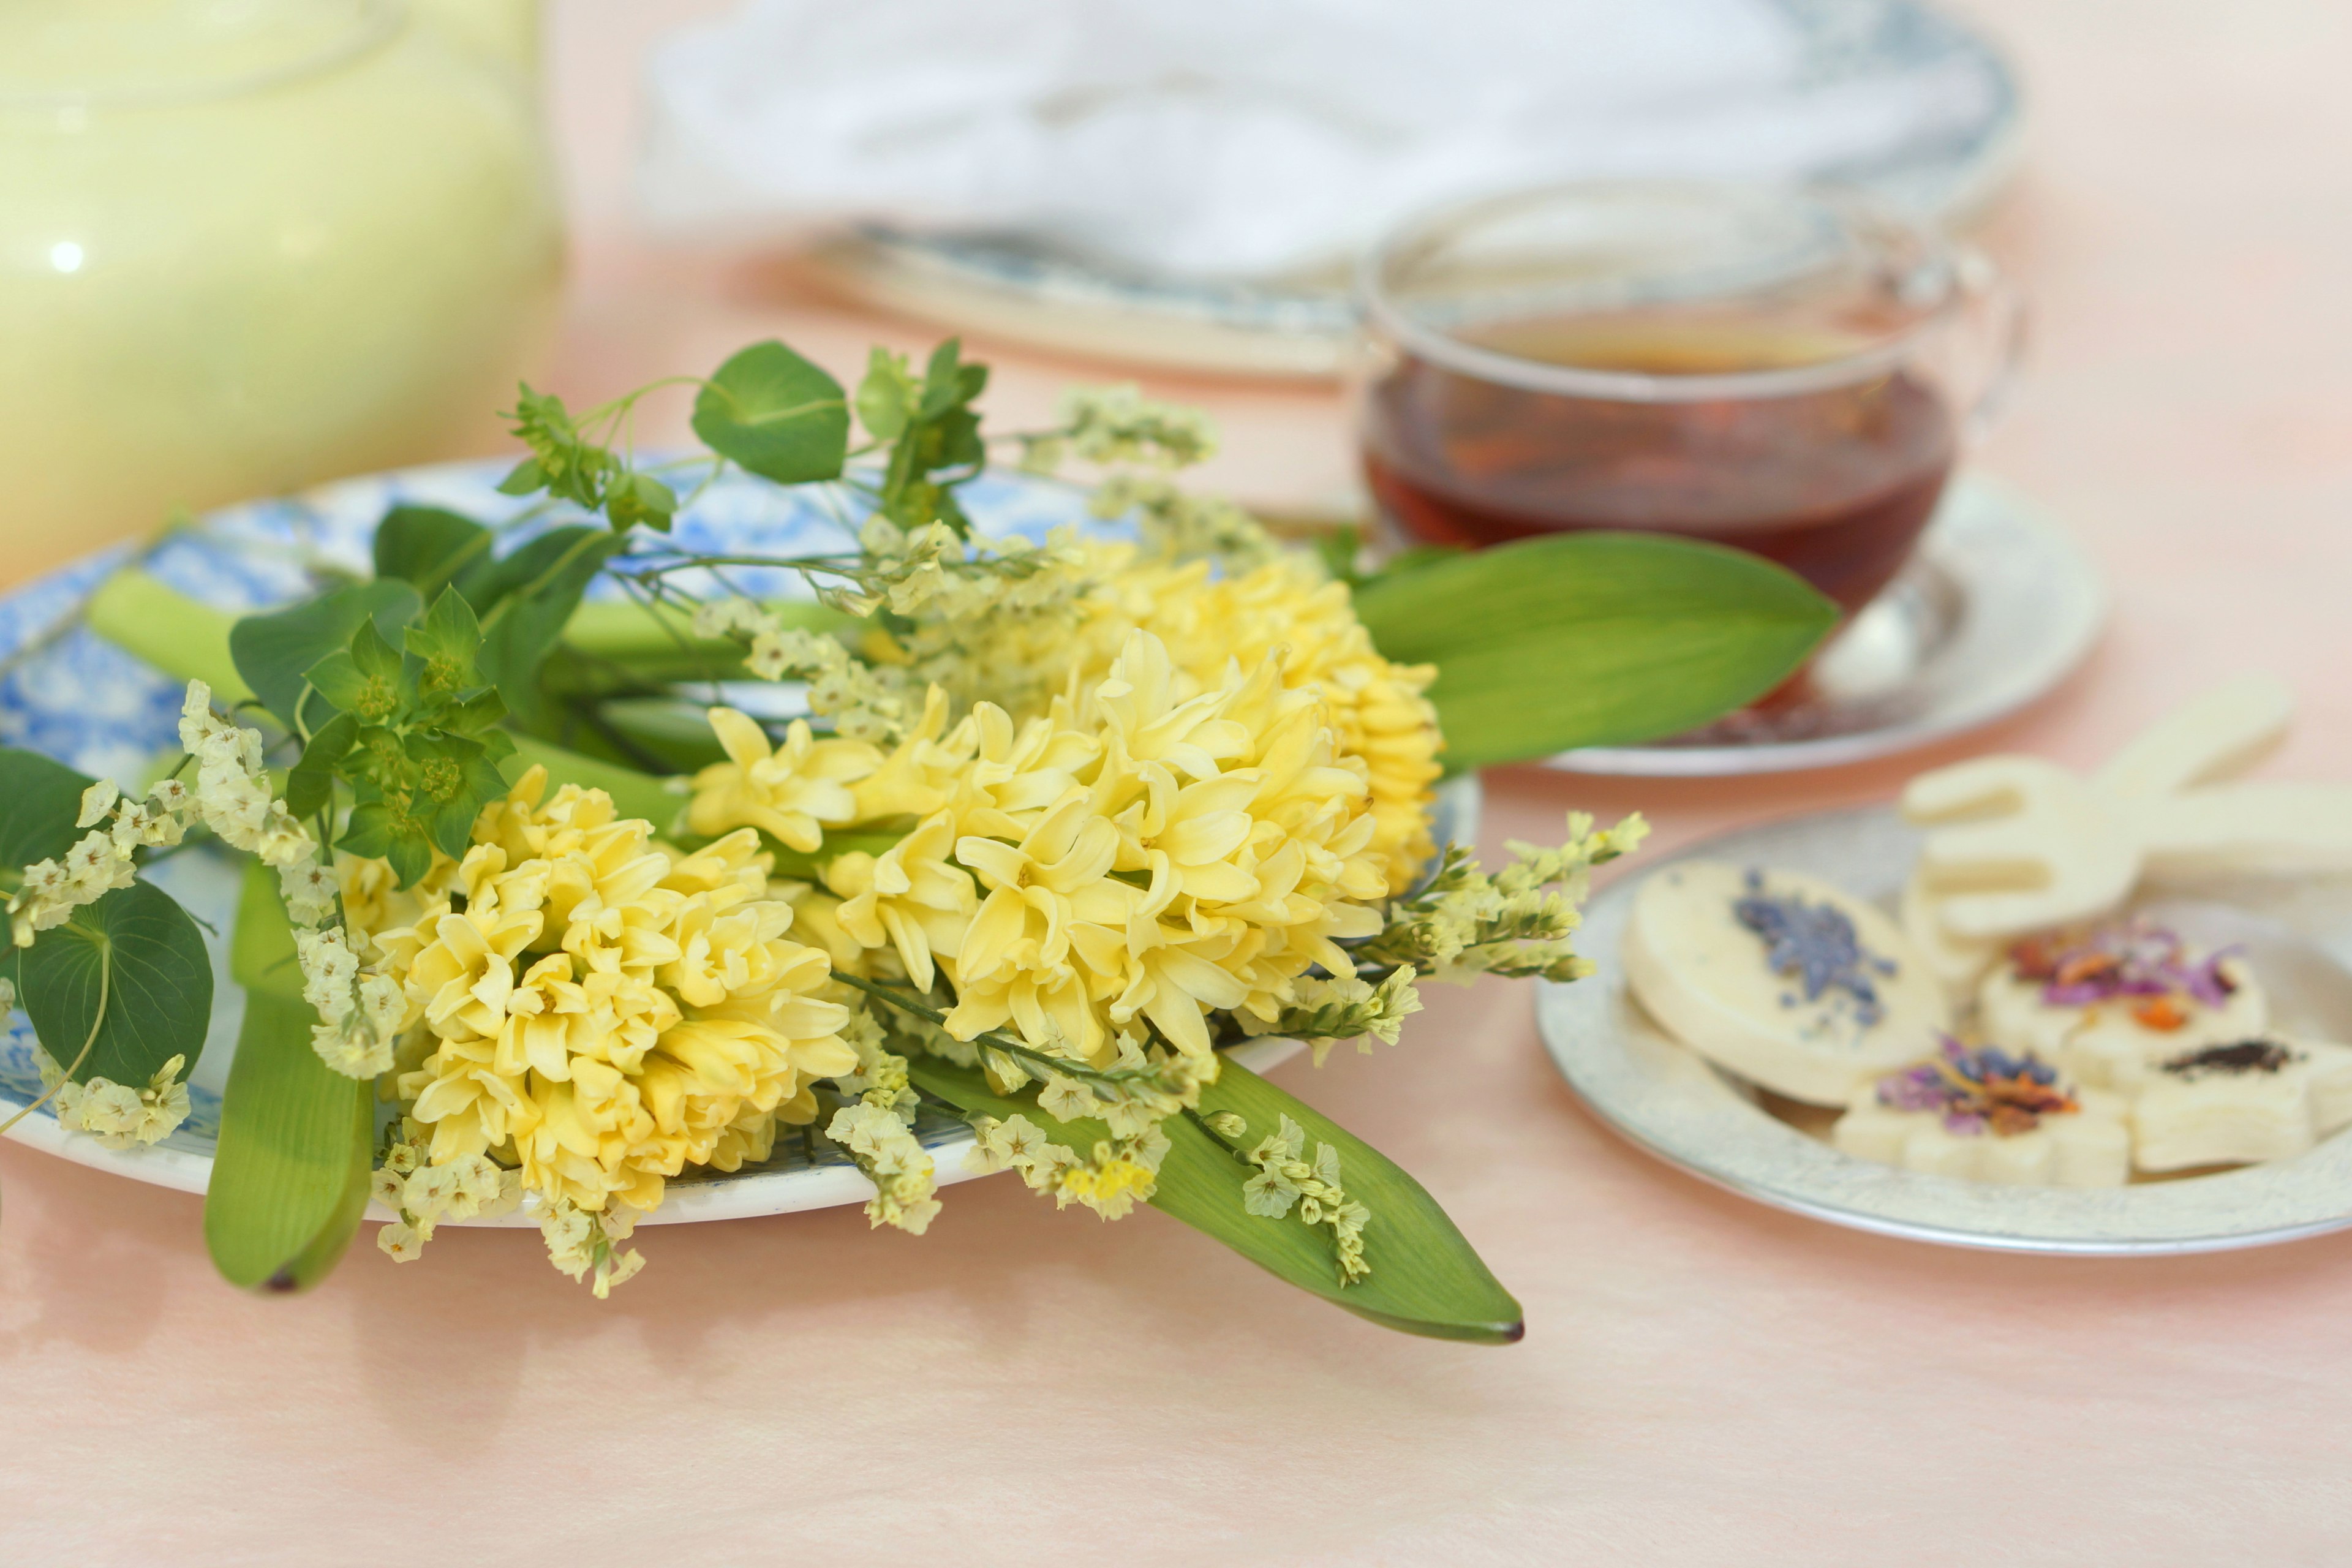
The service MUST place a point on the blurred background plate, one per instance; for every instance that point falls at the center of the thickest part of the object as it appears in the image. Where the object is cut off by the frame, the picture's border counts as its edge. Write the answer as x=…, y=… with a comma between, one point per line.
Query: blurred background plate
x=79, y=699
x=1673, y=1103
x=1056, y=295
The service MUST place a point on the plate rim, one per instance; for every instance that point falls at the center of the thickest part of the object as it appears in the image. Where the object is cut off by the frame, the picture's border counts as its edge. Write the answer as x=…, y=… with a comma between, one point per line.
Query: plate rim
x=1572, y=1025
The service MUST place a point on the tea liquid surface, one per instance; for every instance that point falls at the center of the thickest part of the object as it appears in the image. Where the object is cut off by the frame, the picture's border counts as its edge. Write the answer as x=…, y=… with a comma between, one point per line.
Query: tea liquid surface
x=1834, y=484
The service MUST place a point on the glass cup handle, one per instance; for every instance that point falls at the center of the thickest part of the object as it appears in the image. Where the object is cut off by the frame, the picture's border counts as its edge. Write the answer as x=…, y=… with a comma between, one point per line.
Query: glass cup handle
x=1996, y=322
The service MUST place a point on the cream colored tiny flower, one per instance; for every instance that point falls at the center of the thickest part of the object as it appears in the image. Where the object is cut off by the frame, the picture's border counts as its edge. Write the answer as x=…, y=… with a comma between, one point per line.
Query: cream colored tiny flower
x=399, y=1242
x=96, y=801
x=1064, y=1099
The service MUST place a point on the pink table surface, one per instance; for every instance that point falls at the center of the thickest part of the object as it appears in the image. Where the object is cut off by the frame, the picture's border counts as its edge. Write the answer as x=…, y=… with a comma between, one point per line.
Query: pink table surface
x=1703, y=1381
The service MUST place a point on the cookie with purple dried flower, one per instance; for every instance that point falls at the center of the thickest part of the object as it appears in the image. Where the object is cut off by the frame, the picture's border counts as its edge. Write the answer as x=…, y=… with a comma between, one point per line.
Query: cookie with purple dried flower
x=2102, y=1002
x=1985, y=1115
x=2268, y=1098
x=1781, y=978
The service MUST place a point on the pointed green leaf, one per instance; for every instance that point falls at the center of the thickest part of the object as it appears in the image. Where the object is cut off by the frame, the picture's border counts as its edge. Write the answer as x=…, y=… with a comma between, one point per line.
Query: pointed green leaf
x=410, y=855
x=641, y=499
x=524, y=479
x=311, y=784
x=290, y=1180
x=887, y=397
x=369, y=832
x=449, y=631
x=275, y=652
x=347, y=689
x=1591, y=639
x=1425, y=1279
x=442, y=649
x=430, y=549
x=137, y=951
x=776, y=415
x=42, y=798
x=373, y=654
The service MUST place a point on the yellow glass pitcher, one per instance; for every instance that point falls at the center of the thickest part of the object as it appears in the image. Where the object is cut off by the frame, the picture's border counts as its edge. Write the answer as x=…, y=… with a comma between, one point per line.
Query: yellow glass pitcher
x=247, y=245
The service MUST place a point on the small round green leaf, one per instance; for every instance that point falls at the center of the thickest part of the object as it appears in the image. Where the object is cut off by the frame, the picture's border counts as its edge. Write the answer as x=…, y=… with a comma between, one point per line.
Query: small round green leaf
x=776, y=415
x=43, y=798
x=158, y=997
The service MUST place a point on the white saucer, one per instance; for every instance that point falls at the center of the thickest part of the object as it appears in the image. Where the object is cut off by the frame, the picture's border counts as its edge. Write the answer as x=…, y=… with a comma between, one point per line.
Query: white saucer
x=2000, y=605
x=1671, y=1102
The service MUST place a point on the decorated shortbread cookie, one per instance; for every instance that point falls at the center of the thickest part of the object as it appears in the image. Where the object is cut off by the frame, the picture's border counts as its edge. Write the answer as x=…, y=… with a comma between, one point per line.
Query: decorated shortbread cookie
x=2103, y=1002
x=2259, y=1099
x=1781, y=978
x=1987, y=1116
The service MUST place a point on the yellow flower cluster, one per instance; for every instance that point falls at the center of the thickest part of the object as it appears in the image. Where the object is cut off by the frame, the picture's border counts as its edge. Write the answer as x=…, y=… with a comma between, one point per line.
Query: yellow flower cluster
x=1375, y=709
x=602, y=1011
x=1154, y=848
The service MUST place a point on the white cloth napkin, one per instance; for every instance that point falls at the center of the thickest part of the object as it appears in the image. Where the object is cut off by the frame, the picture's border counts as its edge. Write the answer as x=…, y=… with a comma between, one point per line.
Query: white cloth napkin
x=1236, y=137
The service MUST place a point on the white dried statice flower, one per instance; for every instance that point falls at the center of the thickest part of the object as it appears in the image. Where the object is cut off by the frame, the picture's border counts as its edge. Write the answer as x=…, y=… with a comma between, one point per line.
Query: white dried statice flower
x=118, y=1115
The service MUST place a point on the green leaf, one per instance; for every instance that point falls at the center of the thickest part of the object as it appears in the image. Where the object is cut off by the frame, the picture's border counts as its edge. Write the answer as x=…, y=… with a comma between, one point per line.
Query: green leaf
x=157, y=985
x=275, y=652
x=178, y=635
x=1591, y=639
x=641, y=499
x=290, y=1180
x=535, y=591
x=442, y=649
x=775, y=414
x=633, y=793
x=1426, y=1277
x=369, y=833
x=526, y=477
x=44, y=798
x=311, y=784
x=411, y=856
x=430, y=549
x=887, y=397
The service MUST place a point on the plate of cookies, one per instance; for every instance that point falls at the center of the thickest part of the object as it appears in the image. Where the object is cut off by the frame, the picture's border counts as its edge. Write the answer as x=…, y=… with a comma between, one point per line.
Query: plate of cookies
x=2025, y=1008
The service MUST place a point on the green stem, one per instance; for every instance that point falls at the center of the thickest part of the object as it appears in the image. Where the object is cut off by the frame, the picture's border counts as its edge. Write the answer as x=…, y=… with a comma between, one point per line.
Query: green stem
x=562, y=562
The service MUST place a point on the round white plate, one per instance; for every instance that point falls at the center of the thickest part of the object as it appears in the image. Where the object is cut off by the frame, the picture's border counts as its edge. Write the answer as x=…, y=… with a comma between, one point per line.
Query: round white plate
x=1672, y=1102
x=1999, y=606
x=88, y=704
x=1037, y=292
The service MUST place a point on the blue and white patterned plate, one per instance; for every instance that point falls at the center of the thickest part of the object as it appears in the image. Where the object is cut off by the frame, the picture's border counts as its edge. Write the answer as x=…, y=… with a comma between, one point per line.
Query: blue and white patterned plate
x=75, y=697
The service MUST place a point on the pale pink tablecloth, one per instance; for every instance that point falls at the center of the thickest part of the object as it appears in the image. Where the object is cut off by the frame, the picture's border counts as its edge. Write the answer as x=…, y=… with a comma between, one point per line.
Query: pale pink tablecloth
x=1703, y=1381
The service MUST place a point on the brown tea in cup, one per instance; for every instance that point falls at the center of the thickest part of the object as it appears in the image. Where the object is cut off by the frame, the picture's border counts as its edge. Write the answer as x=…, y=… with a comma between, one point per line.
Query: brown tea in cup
x=1770, y=371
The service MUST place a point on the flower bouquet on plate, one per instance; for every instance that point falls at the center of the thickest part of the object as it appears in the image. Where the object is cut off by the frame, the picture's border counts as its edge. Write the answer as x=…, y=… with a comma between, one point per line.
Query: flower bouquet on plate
x=580, y=857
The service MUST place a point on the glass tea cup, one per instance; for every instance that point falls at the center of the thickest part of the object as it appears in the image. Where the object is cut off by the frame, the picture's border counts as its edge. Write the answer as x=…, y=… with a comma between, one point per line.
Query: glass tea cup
x=1789, y=371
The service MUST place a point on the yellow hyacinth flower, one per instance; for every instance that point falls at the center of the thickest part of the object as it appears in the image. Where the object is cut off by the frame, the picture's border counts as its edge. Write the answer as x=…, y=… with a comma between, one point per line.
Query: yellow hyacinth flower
x=792, y=792
x=912, y=897
x=604, y=1012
